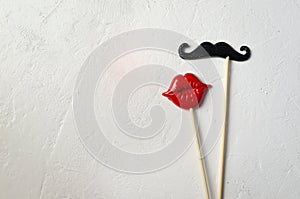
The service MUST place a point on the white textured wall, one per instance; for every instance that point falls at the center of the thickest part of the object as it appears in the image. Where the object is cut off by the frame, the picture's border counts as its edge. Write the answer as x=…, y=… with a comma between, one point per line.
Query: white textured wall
x=43, y=45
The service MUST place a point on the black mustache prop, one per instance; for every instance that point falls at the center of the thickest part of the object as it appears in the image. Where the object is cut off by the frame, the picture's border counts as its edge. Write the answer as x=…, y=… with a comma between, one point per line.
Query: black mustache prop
x=207, y=49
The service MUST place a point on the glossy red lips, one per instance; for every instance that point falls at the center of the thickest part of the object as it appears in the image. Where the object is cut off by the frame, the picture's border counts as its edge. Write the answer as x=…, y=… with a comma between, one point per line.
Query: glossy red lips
x=186, y=91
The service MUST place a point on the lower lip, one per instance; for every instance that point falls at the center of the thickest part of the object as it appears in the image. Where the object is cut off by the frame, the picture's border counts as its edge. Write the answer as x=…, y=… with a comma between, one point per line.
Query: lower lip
x=187, y=99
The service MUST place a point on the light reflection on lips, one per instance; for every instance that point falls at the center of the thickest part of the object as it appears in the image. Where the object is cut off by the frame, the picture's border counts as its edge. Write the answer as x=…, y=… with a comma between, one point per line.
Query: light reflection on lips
x=186, y=91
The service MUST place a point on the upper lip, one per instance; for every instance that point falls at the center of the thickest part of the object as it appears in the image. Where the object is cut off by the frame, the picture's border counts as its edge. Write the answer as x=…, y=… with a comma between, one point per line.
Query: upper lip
x=186, y=91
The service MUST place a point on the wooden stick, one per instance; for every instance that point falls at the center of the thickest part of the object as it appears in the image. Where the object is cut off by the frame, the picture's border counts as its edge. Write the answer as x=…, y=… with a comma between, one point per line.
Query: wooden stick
x=204, y=177
x=224, y=133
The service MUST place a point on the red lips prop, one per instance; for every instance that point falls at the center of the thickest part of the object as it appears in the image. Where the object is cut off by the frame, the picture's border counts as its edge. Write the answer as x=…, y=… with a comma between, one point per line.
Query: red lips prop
x=186, y=91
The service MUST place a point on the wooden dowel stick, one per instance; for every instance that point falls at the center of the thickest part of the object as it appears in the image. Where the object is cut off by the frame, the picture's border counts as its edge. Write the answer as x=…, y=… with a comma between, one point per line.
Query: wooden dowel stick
x=204, y=177
x=224, y=133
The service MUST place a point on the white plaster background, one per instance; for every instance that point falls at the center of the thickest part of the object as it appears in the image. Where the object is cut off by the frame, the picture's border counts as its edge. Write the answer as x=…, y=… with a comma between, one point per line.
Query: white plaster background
x=43, y=45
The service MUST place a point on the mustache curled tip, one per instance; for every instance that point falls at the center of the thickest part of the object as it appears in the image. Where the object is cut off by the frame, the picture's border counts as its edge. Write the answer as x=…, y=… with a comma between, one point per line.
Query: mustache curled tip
x=220, y=49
